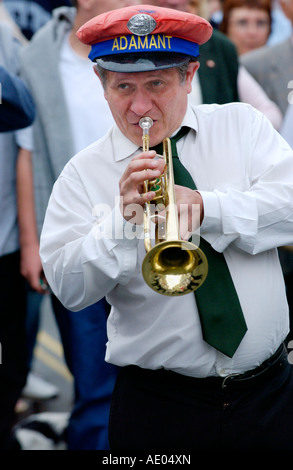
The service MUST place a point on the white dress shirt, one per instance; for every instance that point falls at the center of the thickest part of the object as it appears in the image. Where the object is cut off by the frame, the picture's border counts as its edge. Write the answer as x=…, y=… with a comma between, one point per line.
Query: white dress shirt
x=244, y=171
x=89, y=114
x=287, y=125
x=249, y=92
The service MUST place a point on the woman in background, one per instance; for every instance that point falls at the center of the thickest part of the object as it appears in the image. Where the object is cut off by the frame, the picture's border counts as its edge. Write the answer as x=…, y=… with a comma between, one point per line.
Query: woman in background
x=247, y=23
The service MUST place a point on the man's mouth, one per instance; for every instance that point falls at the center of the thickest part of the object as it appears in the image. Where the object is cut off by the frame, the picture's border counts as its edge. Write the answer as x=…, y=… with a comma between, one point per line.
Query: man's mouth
x=137, y=123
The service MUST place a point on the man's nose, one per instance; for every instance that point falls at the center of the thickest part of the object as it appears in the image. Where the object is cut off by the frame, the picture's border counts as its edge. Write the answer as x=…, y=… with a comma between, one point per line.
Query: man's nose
x=141, y=103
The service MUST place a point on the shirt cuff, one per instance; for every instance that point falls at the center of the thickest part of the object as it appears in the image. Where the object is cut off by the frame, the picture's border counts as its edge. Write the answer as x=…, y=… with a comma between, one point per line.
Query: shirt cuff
x=212, y=221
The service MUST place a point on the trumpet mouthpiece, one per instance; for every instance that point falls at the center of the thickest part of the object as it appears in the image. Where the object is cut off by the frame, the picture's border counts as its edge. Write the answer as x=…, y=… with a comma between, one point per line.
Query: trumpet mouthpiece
x=145, y=123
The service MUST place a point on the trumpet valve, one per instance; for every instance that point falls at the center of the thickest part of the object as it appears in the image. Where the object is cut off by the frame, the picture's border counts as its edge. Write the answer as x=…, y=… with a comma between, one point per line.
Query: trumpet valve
x=156, y=186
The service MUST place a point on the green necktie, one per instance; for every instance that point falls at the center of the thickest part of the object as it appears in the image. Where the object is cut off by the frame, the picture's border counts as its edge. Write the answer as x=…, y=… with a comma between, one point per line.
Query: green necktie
x=222, y=321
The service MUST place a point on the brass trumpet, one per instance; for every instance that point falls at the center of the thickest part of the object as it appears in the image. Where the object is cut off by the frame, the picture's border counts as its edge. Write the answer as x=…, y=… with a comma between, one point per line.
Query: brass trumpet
x=173, y=266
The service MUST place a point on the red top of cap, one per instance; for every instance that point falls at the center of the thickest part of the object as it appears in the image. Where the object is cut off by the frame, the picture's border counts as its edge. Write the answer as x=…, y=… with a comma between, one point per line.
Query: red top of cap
x=171, y=22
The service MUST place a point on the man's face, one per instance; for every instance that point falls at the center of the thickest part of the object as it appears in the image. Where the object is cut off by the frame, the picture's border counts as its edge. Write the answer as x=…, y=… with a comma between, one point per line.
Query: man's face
x=159, y=94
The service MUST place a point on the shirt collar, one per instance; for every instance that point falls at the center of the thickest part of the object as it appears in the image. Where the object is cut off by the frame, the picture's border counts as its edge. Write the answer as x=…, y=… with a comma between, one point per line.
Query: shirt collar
x=124, y=148
x=190, y=119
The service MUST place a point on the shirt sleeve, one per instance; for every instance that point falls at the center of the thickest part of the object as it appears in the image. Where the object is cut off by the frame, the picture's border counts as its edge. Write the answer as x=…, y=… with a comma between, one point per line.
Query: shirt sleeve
x=24, y=138
x=83, y=259
x=260, y=216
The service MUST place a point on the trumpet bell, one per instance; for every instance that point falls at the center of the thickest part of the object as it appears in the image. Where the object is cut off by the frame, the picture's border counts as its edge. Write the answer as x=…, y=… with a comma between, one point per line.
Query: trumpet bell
x=175, y=268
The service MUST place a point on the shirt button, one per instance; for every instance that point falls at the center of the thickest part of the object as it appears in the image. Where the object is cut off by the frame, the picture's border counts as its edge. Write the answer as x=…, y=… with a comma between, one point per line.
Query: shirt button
x=223, y=372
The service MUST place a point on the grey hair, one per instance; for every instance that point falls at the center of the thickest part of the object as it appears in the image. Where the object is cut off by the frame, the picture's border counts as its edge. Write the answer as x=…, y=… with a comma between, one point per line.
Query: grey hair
x=102, y=74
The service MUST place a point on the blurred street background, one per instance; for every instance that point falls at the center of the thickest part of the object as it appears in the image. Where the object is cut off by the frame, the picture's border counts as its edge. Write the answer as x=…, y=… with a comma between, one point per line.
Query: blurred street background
x=48, y=364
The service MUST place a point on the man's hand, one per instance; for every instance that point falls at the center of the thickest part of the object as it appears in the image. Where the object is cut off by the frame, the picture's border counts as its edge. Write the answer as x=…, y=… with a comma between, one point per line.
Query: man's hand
x=145, y=167
x=190, y=210
x=142, y=167
x=31, y=268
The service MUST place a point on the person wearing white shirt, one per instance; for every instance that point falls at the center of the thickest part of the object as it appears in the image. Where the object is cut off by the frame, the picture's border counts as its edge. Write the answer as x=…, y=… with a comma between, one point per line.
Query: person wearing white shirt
x=176, y=390
x=71, y=114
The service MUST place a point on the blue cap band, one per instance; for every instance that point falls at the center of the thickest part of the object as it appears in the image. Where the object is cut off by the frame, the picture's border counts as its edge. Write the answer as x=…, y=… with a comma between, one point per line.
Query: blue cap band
x=149, y=43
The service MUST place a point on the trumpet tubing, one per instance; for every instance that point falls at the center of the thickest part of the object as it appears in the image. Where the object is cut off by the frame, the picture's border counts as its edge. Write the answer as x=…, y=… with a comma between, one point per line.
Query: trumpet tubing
x=172, y=266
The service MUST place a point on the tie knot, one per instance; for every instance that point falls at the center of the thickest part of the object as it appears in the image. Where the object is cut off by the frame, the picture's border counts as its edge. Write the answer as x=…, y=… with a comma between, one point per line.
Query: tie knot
x=181, y=133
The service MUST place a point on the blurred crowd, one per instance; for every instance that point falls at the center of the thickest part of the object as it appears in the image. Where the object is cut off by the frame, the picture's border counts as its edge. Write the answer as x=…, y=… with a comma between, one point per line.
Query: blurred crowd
x=58, y=110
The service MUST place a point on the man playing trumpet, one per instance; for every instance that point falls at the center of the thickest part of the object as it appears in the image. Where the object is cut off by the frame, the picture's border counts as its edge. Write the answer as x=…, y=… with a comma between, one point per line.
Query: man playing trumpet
x=208, y=369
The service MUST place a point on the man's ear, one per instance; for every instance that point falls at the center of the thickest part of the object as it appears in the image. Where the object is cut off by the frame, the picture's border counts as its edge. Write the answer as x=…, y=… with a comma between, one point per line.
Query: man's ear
x=192, y=69
x=96, y=71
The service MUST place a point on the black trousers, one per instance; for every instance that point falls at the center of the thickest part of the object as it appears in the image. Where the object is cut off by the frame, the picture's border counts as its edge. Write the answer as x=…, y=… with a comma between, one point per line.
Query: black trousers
x=13, y=359
x=163, y=411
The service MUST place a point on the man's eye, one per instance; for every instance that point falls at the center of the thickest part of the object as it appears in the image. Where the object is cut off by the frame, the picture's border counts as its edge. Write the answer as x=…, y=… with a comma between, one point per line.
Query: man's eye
x=123, y=86
x=156, y=86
